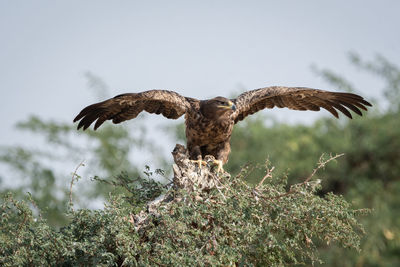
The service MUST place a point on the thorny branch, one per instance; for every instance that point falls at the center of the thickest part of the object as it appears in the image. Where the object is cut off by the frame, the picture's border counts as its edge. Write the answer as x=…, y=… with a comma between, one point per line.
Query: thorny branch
x=321, y=164
x=268, y=175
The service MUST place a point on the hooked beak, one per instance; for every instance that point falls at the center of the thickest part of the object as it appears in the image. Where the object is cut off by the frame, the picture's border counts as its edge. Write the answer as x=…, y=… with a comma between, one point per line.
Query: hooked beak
x=230, y=106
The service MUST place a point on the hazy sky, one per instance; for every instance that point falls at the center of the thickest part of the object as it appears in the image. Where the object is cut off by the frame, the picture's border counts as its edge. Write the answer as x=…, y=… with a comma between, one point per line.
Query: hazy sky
x=197, y=48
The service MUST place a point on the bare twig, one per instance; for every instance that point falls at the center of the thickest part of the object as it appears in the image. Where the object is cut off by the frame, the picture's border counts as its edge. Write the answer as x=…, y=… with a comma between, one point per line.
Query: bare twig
x=72, y=183
x=321, y=164
x=223, y=185
x=216, y=186
x=268, y=175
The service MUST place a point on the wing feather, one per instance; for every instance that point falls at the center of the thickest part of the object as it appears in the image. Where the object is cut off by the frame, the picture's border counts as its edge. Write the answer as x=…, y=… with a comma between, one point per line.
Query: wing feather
x=128, y=106
x=298, y=98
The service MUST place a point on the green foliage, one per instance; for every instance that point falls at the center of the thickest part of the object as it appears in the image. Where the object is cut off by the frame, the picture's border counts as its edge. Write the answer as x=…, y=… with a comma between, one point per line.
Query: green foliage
x=262, y=225
x=137, y=191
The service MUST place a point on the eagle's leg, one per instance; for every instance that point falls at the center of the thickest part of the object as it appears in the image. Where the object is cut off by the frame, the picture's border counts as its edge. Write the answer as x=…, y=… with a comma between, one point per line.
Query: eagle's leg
x=195, y=152
x=221, y=155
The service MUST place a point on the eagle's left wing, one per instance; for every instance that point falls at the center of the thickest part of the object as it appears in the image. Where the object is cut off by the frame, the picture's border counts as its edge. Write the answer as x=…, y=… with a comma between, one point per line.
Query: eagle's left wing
x=297, y=98
x=128, y=106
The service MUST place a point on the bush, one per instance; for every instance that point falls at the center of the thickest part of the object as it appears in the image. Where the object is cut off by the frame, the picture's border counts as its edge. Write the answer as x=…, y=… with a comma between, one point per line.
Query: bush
x=203, y=219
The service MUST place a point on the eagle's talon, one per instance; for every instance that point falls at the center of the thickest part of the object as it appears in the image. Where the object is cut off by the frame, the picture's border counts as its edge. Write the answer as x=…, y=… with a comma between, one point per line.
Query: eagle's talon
x=220, y=169
x=199, y=162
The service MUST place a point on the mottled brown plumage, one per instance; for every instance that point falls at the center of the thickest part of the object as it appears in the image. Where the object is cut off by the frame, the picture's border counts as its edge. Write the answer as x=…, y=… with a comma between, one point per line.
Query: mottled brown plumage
x=209, y=123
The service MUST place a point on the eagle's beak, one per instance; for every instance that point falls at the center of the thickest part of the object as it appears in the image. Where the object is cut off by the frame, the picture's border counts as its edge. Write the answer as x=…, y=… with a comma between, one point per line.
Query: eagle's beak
x=229, y=106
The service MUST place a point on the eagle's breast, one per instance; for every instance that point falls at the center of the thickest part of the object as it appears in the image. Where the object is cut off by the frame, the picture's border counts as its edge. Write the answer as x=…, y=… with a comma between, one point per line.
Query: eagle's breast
x=202, y=131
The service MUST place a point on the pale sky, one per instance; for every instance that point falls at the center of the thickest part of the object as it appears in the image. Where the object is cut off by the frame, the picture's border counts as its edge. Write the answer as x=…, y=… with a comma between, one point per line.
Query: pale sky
x=197, y=48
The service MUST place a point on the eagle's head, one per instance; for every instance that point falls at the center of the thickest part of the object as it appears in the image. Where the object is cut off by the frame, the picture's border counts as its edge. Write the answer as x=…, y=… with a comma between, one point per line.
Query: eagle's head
x=217, y=108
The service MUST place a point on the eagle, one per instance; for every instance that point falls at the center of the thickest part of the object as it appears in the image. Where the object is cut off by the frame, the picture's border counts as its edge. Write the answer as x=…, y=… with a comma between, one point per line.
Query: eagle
x=209, y=123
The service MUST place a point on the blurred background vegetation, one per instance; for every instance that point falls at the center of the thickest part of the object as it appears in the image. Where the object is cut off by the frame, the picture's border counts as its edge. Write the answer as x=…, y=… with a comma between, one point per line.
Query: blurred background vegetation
x=368, y=176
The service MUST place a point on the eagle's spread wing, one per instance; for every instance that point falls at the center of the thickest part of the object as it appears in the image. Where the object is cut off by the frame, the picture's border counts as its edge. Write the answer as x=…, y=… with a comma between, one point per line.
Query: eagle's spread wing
x=127, y=106
x=297, y=98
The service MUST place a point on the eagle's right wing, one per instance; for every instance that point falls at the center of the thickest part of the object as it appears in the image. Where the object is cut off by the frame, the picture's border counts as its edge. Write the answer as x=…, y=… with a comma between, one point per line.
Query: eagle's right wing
x=128, y=106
